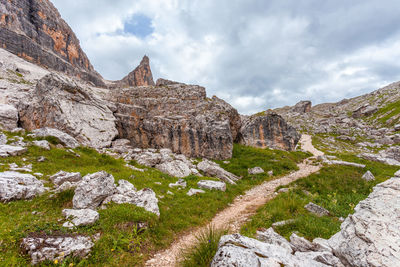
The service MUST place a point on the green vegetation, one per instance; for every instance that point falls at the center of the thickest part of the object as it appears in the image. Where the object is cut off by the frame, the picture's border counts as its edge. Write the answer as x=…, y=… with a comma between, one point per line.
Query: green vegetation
x=204, y=251
x=384, y=114
x=336, y=188
x=121, y=244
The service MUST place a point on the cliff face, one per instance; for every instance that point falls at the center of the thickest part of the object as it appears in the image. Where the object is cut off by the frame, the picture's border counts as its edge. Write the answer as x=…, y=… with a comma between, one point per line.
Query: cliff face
x=141, y=76
x=35, y=31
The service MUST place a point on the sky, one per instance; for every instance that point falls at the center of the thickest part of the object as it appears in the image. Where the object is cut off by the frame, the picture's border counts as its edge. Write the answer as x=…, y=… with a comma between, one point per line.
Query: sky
x=254, y=54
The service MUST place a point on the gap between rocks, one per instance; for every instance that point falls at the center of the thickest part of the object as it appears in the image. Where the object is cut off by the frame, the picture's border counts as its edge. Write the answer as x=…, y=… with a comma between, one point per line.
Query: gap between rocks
x=242, y=208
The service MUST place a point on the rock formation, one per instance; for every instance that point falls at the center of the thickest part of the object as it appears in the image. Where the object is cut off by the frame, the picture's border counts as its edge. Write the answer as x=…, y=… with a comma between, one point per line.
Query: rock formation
x=141, y=76
x=177, y=116
x=269, y=130
x=58, y=102
x=302, y=107
x=35, y=31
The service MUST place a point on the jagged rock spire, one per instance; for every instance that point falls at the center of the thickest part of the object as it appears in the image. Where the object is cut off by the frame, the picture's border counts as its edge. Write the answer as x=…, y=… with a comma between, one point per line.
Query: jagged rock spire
x=141, y=76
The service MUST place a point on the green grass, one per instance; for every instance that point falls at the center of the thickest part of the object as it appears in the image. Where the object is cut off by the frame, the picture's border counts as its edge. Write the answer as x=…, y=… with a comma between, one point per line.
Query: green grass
x=336, y=188
x=120, y=244
x=204, y=251
x=387, y=112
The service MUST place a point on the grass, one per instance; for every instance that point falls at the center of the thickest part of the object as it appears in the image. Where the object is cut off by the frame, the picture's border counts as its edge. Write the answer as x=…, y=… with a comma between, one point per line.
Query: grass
x=336, y=188
x=120, y=243
x=387, y=112
x=204, y=251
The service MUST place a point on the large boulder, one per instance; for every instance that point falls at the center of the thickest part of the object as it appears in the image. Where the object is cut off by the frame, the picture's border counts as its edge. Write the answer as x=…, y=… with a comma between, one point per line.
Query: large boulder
x=35, y=31
x=212, y=169
x=93, y=189
x=8, y=117
x=79, y=217
x=269, y=130
x=371, y=236
x=302, y=107
x=176, y=116
x=15, y=185
x=42, y=248
x=59, y=102
x=64, y=138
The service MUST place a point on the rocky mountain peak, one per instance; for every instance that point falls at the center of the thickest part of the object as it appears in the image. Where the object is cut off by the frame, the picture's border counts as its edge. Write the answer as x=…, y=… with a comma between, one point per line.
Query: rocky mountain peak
x=35, y=31
x=141, y=76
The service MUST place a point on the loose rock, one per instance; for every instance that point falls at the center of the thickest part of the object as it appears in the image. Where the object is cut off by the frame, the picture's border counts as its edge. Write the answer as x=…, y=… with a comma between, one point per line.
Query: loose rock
x=180, y=183
x=212, y=169
x=64, y=138
x=80, y=217
x=8, y=117
x=43, y=144
x=255, y=170
x=15, y=185
x=193, y=191
x=212, y=185
x=368, y=176
x=317, y=210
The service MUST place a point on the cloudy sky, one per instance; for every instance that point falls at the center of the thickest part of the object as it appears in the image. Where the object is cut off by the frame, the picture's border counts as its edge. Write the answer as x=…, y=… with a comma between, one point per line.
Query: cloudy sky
x=255, y=54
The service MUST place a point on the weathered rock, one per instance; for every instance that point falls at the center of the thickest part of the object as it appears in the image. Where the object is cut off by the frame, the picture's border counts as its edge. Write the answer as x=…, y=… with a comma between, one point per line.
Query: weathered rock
x=397, y=127
x=364, y=111
x=240, y=251
x=368, y=176
x=35, y=31
x=321, y=244
x=180, y=183
x=370, y=236
x=302, y=107
x=285, y=222
x=299, y=243
x=8, y=150
x=175, y=168
x=59, y=102
x=92, y=190
x=380, y=158
x=270, y=130
x=61, y=177
x=271, y=237
x=126, y=193
x=8, y=115
x=345, y=163
x=15, y=185
x=397, y=174
x=177, y=116
x=193, y=191
x=324, y=257
x=212, y=185
x=64, y=138
x=317, y=210
x=161, y=82
x=43, y=144
x=255, y=170
x=43, y=248
x=80, y=217
x=3, y=139
x=25, y=168
x=212, y=169
x=121, y=145
x=141, y=76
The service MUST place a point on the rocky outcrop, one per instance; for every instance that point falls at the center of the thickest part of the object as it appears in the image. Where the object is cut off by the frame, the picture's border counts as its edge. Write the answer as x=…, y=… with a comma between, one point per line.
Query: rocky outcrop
x=8, y=117
x=212, y=185
x=179, y=117
x=302, y=107
x=212, y=169
x=42, y=248
x=141, y=76
x=35, y=31
x=15, y=185
x=64, y=138
x=79, y=217
x=370, y=236
x=59, y=102
x=269, y=130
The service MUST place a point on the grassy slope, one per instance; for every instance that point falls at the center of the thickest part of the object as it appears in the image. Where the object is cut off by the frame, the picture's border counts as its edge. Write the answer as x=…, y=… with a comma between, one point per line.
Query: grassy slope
x=120, y=244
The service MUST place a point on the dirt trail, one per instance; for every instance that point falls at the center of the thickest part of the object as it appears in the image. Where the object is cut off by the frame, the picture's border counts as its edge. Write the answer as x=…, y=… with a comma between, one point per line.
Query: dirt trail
x=242, y=208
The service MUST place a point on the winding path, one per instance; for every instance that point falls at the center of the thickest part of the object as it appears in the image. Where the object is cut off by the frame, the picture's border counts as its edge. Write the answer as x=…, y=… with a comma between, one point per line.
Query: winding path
x=242, y=208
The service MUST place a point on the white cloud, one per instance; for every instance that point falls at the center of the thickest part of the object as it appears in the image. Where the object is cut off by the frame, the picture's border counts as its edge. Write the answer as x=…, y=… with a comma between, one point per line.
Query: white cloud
x=255, y=54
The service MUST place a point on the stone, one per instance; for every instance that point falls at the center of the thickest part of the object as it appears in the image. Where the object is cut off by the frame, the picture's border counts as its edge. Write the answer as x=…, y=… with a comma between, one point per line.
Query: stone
x=193, y=191
x=316, y=209
x=80, y=217
x=25, y=168
x=380, y=158
x=41, y=159
x=175, y=168
x=43, y=144
x=146, y=198
x=126, y=188
x=269, y=130
x=60, y=102
x=397, y=174
x=321, y=244
x=15, y=185
x=8, y=116
x=212, y=169
x=370, y=236
x=147, y=158
x=92, y=190
x=35, y=31
x=141, y=76
x=18, y=131
x=364, y=111
x=397, y=127
x=64, y=138
x=241, y=251
x=282, y=223
x=271, y=237
x=3, y=139
x=121, y=145
x=299, y=243
x=255, y=170
x=212, y=185
x=180, y=183
x=61, y=177
x=345, y=163
x=302, y=107
x=368, y=176
x=179, y=117
x=324, y=257
x=41, y=248
x=8, y=150
x=270, y=173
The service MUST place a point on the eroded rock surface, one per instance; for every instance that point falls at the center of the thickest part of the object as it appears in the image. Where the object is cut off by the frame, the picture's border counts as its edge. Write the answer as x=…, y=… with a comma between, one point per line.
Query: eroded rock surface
x=141, y=76
x=64, y=138
x=212, y=169
x=59, y=102
x=8, y=117
x=80, y=217
x=269, y=130
x=15, y=185
x=212, y=185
